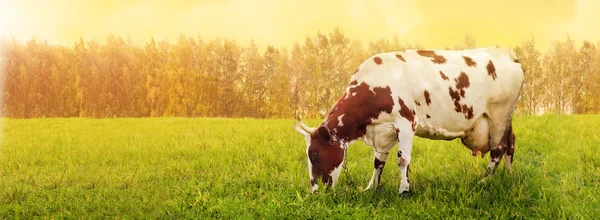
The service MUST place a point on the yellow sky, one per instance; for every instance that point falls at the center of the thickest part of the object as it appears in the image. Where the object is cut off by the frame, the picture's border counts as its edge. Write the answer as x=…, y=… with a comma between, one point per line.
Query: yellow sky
x=435, y=23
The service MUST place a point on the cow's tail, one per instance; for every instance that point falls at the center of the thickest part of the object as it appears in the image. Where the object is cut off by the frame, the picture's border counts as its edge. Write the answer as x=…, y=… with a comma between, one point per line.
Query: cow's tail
x=510, y=142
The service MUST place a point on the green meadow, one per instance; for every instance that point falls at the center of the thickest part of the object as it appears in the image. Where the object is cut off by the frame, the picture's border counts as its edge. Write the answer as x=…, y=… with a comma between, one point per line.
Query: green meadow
x=152, y=168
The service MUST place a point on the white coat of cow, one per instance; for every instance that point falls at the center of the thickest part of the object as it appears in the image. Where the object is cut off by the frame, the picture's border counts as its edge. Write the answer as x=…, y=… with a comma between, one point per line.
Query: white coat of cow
x=435, y=94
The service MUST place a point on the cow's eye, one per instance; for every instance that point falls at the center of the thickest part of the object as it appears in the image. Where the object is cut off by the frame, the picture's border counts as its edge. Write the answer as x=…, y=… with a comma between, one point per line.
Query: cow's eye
x=313, y=156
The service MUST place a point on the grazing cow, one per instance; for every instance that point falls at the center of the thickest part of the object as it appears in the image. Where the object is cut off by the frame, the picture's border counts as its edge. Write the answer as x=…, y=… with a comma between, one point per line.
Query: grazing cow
x=434, y=94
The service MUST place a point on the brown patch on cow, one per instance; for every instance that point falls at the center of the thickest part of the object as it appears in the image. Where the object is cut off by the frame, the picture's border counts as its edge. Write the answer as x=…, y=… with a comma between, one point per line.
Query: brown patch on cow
x=462, y=82
x=356, y=71
x=359, y=109
x=469, y=61
x=498, y=152
x=402, y=162
x=457, y=107
x=467, y=111
x=509, y=138
x=437, y=59
x=407, y=172
x=427, y=97
x=377, y=60
x=454, y=94
x=354, y=82
x=405, y=112
x=378, y=163
x=400, y=57
x=417, y=103
x=428, y=116
x=444, y=77
x=491, y=70
x=511, y=150
x=516, y=61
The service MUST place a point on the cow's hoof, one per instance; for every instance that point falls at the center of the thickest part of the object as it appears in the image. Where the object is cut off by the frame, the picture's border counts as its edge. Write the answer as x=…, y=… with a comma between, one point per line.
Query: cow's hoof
x=483, y=180
x=404, y=187
x=488, y=171
x=407, y=193
x=404, y=190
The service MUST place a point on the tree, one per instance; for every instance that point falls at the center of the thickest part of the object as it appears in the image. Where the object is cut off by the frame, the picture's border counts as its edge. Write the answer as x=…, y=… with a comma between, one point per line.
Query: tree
x=220, y=78
x=227, y=78
x=532, y=93
x=157, y=55
x=253, y=81
x=587, y=97
x=14, y=77
x=278, y=93
x=299, y=79
x=469, y=42
x=341, y=69
x=560, y=64
x=383, y=45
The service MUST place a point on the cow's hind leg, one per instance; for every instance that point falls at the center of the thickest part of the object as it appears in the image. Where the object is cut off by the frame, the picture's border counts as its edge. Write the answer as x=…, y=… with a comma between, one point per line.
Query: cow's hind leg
x=510, y=144
x=378, y=163
x=405, y=140
x=500, y=139
x=495, y=157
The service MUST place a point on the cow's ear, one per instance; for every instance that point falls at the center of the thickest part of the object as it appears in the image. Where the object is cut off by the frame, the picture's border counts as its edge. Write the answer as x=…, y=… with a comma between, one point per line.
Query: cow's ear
x=323, y=133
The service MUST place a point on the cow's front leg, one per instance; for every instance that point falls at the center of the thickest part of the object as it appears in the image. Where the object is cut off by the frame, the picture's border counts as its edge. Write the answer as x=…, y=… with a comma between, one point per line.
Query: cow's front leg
x=405, y=140
x=378, y=163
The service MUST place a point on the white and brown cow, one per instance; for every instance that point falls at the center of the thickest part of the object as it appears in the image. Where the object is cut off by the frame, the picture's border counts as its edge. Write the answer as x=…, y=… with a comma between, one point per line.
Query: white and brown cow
x=435, y=94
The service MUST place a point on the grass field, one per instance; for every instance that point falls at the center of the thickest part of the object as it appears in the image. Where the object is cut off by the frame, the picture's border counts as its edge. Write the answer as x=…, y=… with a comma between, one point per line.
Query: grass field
x=246, y=168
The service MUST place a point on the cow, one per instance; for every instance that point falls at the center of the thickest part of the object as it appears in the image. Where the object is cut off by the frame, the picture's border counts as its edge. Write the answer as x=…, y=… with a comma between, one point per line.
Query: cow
x=435, y=94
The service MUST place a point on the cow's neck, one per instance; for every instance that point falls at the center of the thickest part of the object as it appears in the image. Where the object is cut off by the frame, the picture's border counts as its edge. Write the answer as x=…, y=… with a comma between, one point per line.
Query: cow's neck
x=350, y=116
x=352, y=126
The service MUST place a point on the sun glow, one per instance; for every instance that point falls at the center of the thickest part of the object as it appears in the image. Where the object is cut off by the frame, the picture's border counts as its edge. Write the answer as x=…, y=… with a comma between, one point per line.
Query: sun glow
x=434, y=23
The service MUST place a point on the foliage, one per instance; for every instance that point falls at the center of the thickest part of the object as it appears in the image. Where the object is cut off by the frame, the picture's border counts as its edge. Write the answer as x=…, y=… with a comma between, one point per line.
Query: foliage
x=221, y=78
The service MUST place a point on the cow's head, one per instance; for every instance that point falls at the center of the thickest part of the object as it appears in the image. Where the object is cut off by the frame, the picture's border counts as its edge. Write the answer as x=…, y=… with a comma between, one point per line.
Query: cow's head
x=325, y=154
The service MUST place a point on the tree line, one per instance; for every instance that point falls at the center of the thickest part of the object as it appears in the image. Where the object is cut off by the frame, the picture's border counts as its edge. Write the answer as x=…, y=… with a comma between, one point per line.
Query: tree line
x=221, y=78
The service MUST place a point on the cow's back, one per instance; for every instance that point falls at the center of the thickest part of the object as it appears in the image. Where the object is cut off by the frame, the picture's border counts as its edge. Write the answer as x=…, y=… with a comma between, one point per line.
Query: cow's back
x=447, y=89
